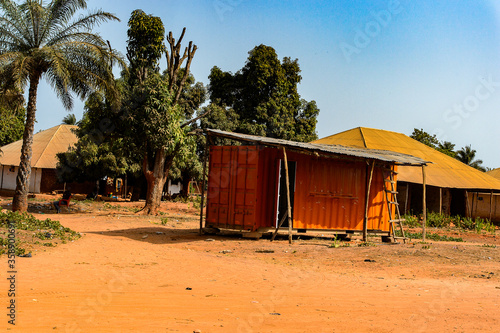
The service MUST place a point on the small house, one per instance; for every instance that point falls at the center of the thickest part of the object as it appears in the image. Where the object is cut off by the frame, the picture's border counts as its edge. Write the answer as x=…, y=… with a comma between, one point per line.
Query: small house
x=46, y=144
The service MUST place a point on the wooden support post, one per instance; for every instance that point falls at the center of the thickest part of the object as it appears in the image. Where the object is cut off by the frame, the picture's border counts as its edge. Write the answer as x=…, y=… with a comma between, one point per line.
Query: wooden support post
x=467, y=204
x=279, y=226
x=424, y=204
x=205, y=159
x=407, y=197
x=440, y=200
x=491, y=204
x=288, y=197
x=365, y=221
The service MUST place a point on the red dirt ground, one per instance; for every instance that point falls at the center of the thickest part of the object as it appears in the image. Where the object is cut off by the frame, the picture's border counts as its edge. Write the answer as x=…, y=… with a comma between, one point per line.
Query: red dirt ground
x=130, y=273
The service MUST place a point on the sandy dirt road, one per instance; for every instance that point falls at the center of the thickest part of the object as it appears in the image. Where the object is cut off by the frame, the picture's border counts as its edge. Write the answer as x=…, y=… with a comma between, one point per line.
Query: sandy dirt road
x=130, y=273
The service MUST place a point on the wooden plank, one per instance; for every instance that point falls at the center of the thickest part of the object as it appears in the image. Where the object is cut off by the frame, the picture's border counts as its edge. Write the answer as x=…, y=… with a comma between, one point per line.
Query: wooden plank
x=279, y=226
x=491, y=204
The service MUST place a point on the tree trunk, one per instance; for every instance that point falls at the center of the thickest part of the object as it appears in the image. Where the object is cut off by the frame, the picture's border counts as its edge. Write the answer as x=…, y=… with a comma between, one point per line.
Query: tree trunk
x=156, y=178
x=20, y=200
x=185, y=184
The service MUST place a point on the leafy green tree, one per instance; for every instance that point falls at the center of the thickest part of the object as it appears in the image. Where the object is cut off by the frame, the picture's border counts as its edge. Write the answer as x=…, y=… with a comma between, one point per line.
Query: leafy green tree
x=12, y=113
x=145, y=45
x=467, y=155
x=263, y=95
x=70, y=119
x=155, y=121
x=424, y=137
x=100, y=150
x=40, y=39
x=154, y=109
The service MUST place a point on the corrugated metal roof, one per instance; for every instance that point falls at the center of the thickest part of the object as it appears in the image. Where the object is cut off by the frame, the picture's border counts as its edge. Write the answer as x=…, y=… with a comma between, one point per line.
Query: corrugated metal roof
x=444, y=171
x=494, y=173
x=46, y=144
x=363, y=153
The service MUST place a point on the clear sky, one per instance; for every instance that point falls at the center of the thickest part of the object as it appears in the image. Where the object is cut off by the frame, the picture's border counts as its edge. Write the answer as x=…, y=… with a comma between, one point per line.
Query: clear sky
x=393, y=65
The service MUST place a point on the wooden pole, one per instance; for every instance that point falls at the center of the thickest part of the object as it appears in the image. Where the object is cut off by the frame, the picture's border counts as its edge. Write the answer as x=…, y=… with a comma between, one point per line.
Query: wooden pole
x=207, y=152
x=467, y=203
x=424, y=204
x=491, y=204
x=407, y=197
x=365, y=221
x=288, y=198
x=440, y=200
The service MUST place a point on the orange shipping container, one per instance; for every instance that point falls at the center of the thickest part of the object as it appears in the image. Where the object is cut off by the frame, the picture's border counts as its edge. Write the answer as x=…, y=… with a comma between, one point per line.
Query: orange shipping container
x=246, y=191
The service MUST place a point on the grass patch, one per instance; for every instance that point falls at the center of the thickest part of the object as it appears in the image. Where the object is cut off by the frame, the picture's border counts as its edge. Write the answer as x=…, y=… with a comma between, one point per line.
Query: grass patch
x=30, y=230
x=433, y=236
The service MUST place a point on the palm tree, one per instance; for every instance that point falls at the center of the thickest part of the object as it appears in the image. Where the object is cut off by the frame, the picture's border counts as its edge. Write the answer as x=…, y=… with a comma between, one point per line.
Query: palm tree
x=70, y=119
x=446, y=147
x=467, y=155
x=39, y=39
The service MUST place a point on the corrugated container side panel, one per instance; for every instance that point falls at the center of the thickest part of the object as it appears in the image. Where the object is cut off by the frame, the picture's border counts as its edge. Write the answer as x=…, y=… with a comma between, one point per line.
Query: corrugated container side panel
x=213, y=193
x=245, y=191
x=232, y=187
x=329, y=193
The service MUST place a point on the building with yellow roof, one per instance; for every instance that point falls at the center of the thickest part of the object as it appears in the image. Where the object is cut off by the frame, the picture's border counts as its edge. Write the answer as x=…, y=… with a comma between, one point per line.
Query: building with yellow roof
x=453, y=187
x=46, y=144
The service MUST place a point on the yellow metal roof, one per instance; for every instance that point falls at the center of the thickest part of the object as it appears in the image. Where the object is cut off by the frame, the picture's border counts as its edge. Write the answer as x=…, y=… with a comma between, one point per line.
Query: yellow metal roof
x=494, y=173
x=46, y=144
x=444, y=171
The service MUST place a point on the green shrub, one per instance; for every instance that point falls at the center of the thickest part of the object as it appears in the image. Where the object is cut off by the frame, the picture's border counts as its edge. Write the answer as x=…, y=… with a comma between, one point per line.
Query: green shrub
x=411, y=221
x=437, y=220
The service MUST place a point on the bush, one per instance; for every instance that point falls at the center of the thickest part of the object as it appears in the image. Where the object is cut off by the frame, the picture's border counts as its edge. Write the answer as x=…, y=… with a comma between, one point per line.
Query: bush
x=437, y=220
x=411, y=221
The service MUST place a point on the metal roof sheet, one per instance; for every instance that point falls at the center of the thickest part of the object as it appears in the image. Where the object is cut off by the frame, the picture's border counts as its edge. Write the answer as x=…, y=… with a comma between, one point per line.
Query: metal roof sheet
x=445, y=171
x=339, y=150
x=494, y=173
x=46, y=144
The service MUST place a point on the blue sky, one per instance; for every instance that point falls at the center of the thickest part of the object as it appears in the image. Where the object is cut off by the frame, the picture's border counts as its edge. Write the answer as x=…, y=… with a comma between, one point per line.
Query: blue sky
x=394, y=65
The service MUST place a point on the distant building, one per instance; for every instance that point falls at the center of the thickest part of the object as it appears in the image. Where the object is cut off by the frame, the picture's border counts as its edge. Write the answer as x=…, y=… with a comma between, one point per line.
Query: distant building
x=46, y=144
x=453, y=187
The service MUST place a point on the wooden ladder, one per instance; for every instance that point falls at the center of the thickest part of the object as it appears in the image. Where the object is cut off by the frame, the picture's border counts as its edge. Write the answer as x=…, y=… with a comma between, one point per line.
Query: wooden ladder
x=392, y=202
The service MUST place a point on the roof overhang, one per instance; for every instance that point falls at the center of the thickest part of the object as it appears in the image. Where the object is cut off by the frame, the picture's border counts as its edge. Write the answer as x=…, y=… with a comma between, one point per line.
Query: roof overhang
x=327, y=150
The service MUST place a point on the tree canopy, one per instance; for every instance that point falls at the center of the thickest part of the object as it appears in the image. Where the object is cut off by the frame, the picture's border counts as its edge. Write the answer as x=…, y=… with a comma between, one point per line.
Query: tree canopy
x=44, y=39
x=12, y=113
x=465, y=155
x=70, y=119
x=262, y=98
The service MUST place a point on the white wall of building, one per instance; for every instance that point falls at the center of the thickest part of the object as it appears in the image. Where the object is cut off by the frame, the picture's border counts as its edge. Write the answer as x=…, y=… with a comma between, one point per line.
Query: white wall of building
x=8, y=176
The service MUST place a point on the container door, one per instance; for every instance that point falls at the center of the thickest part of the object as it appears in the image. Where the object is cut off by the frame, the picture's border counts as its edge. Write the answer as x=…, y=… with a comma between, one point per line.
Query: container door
x=281, y=200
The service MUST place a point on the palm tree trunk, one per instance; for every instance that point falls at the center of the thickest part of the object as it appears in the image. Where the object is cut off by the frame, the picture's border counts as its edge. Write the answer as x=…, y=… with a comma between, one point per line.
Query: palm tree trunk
x=20, y=201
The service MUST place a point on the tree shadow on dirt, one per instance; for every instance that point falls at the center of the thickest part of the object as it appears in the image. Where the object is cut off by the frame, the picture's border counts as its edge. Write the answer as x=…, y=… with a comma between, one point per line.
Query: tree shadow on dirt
x=164, y=235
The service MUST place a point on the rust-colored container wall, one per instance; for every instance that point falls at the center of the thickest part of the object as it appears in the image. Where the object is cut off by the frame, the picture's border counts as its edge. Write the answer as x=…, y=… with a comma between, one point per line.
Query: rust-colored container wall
x=232, y=187
x=329, y=193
